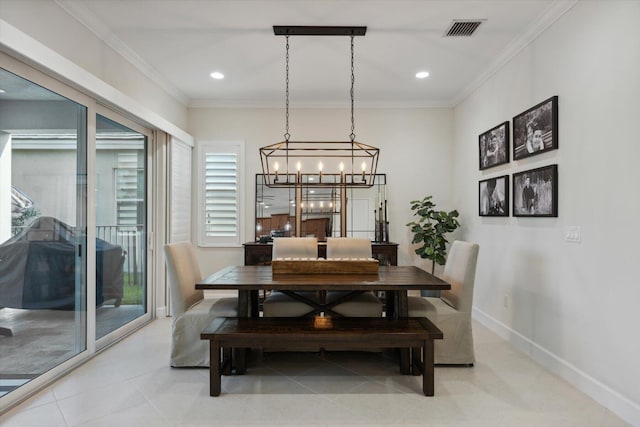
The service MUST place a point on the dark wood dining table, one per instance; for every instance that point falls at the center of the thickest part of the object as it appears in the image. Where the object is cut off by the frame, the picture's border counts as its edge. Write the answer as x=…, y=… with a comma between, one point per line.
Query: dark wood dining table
x=395, y=281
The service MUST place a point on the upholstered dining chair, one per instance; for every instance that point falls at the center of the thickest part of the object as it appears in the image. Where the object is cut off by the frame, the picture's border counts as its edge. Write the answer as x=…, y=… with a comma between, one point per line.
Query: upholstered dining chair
x=191, y=312
x=365, y=304
x=278, y=304
x=452, y=311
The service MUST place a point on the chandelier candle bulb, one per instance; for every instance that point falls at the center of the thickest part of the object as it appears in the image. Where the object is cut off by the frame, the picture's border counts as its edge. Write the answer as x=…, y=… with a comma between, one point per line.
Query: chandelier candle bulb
x=320, y=171
x=341, y=172
x=298, y=177
x=276, y=166
x=364, y=168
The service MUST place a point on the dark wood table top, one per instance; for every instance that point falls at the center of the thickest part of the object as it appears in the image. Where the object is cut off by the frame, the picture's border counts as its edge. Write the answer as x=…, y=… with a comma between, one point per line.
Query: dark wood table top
x=258, y=277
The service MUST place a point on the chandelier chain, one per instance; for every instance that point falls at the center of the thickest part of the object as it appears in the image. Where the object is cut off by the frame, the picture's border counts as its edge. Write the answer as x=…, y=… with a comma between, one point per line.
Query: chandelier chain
x=282, y=162
x=286, y=134
x=353, y=79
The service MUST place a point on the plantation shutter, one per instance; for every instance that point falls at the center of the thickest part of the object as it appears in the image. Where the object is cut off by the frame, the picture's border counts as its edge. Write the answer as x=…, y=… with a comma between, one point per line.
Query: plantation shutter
x=220, y=199
x=180, y=192
x=221, y=195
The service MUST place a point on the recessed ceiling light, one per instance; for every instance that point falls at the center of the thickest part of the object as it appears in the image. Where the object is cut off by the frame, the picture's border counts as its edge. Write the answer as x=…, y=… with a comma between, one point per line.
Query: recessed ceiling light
x=422, y=74
x=2, y=91
x=217, y=75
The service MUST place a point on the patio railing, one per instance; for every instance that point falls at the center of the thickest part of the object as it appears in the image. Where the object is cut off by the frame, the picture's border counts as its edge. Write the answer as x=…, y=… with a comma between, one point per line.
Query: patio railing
x=129, y=237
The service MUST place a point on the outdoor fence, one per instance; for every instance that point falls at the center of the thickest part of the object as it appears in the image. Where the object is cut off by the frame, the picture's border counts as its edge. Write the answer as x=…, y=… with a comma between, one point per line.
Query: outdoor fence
x=129, y=237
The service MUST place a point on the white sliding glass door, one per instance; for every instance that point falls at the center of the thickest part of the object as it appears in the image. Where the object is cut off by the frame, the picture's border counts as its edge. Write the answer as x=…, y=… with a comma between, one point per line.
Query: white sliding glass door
x=43, y=230
x=121, y=224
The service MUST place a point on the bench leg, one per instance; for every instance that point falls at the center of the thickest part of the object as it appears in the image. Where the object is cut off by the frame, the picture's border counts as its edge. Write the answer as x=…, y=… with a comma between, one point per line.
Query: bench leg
x=214, y=368
x=427, y=373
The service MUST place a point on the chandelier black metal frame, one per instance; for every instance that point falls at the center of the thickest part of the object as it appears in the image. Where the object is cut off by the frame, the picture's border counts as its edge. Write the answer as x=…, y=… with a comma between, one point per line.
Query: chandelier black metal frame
x=337, y=163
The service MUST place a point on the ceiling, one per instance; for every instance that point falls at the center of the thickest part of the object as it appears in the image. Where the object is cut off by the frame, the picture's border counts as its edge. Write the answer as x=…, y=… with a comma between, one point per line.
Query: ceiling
x=178, y=43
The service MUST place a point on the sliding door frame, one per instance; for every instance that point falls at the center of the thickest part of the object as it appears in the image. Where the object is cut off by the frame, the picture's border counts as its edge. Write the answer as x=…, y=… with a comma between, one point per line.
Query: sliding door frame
x=150, y=207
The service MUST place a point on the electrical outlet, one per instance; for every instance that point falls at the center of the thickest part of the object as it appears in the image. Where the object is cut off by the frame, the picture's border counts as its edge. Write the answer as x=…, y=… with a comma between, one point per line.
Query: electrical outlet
x=573, y=234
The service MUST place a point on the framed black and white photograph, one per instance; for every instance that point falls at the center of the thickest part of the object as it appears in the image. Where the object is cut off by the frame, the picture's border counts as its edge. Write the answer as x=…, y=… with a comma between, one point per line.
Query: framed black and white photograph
x=494, y=146
x=493, y=196
x=535, y=192
x=536, y=130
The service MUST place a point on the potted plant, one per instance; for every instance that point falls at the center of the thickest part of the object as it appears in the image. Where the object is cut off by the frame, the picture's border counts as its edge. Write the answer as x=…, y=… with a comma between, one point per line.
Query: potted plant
x=430, y=230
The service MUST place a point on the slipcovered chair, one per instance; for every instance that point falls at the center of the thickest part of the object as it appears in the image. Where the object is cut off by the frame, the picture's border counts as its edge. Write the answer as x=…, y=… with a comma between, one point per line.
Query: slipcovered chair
x=191, y=312
x=365, y=304
x=452, y=311
x=278, y=304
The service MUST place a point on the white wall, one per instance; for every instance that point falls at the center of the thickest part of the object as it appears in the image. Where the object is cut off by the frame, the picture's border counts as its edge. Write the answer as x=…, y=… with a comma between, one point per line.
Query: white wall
x=572, y=306
x=415, y=151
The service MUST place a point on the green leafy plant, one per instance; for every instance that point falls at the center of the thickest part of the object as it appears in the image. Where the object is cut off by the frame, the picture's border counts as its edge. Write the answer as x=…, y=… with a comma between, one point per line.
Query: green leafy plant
x=430, y=230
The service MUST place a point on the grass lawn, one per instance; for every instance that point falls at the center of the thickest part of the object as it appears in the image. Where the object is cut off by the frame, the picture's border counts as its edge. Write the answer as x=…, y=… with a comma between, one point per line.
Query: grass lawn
x=133, y=293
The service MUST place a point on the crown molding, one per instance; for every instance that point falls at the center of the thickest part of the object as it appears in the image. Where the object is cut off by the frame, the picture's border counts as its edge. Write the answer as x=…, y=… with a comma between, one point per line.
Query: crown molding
x=551, y=14
x=83, y=15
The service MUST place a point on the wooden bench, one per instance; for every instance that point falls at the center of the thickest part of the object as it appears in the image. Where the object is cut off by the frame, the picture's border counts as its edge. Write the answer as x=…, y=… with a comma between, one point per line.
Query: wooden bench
x=314, y=333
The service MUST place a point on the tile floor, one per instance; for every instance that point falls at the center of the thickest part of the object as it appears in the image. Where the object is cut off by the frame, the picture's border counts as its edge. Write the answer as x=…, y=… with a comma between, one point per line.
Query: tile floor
x=131, y=384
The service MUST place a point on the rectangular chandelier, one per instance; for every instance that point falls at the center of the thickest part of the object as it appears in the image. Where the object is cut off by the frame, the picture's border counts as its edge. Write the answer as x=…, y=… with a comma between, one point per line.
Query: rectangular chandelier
x=328, y=163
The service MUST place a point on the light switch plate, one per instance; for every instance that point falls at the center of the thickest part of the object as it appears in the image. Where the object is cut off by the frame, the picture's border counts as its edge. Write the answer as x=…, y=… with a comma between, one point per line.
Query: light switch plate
x=573, y=234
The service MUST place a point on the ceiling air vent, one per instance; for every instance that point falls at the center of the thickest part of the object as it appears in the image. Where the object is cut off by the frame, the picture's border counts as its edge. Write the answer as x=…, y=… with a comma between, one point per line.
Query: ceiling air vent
x=463, y=27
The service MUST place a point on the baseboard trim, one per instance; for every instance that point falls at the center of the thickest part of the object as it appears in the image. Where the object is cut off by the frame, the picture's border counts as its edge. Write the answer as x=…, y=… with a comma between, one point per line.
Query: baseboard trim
x=601, y=393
